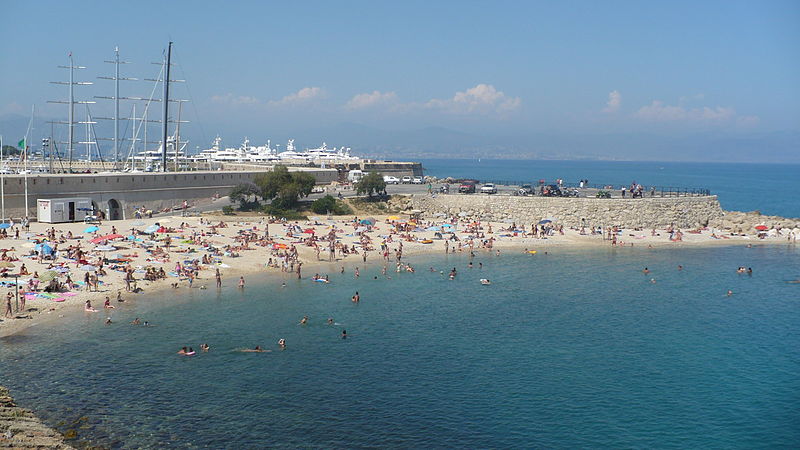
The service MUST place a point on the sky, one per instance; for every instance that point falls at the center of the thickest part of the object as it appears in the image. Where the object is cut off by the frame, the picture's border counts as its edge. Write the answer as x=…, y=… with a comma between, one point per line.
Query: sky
x=518, y=74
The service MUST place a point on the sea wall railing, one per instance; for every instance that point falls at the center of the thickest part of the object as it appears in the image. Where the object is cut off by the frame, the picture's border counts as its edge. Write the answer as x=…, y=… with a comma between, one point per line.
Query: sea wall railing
x=614, y=190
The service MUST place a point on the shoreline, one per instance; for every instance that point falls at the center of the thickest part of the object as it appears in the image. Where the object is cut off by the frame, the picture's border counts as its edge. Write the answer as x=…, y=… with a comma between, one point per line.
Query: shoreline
x=20, y=428
x=251, y=262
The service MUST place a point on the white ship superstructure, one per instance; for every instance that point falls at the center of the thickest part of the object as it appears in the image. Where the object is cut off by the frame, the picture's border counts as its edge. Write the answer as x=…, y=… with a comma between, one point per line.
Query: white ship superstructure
x=266, y=154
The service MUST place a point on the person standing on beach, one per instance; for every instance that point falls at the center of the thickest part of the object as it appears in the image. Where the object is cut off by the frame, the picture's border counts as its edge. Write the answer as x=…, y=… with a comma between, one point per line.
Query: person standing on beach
x=9, y=311
x=218, y=275
x=241, y=282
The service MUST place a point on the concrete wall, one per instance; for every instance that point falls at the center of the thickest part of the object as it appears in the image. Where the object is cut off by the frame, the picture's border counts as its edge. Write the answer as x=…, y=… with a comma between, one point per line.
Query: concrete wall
x=155, y=191
x=640, y=212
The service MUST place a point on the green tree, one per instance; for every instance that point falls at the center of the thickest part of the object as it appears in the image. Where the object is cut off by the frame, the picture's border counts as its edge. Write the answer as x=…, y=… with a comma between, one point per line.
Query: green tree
x=246, y=194
x=371, y=184
x=328, y=204
x=284, y=188
x=9, y=150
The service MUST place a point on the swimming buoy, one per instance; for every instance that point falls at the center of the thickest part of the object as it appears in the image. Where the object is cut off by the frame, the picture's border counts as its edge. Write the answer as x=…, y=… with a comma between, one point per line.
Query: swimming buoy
x=190, y=354
x=532, y=252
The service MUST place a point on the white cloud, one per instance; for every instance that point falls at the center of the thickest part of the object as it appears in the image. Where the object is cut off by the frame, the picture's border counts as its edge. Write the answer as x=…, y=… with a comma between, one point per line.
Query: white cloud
x=614, y=102
x=230, y=99
x=659, y=112
x=368, y=100
x=481, y=99
x=302, y=96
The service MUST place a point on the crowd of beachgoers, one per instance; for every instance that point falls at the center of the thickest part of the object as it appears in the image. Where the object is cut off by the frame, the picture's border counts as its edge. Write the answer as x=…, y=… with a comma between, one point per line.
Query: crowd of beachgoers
x=48, y=267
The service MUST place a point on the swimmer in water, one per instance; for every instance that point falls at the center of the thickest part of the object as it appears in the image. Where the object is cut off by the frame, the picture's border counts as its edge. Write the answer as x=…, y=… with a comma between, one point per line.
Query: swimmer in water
x=485, y=281
x=356, y=298
x=108, y=321
x=282, y=343
x=304, y=320
x=680, y=267
x=344, y=334
x=646, y=271
x=283, y=285
x=136, y=321
x=730, y=292
x=183, y=351
x=330, y=320
x=205, y=347
x=653, y=280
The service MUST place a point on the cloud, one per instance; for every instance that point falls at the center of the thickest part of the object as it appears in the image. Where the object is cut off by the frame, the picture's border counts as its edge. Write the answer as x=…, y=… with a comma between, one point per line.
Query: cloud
x=369, y=100
x=481, y=99
x=230, y=99
x=614, y=102
x=659, y=112
x=302, y=96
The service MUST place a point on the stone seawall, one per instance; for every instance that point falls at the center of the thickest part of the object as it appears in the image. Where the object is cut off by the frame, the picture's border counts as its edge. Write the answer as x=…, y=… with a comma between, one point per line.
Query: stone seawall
x=641, y=212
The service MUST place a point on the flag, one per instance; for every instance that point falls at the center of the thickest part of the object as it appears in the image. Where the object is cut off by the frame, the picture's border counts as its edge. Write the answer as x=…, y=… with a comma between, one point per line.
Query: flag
x=21, y=144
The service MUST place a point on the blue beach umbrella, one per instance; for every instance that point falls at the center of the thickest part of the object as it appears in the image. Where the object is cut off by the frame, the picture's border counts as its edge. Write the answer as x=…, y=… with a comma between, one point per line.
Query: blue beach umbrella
x=542, y=222
x=44, y=248
x=91, y=229
x=5, y=225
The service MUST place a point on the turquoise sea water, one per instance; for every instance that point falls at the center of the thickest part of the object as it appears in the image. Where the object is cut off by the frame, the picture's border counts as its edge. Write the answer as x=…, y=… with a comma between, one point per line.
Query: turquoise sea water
x=769, y=188
x=576, y=348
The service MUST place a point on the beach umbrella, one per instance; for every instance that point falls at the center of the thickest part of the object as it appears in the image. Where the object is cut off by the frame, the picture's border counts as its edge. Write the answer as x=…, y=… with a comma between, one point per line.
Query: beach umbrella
x=367, y=221
x=542, y=222
x=393, y=218
x=6, y=264
x=91, y=229
x=5, y=225
x=44, y=248
x=48, y=275
x=762, y=227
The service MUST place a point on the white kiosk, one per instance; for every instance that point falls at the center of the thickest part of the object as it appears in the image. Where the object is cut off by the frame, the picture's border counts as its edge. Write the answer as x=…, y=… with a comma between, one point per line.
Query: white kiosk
x=56, y=210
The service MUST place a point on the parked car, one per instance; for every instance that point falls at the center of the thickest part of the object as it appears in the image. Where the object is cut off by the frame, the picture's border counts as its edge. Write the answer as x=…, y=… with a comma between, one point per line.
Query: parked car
x=489, y=188
x=388, y=179
x=466, y=188
x=550, y=190
x=524, y=190
x=406, y=180
x=416, y=180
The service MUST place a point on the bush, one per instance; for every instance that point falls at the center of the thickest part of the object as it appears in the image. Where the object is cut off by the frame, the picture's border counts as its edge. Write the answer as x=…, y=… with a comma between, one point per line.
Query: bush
x=328, y=204
x=371, y=184
x=227, y=210
x=281, y=213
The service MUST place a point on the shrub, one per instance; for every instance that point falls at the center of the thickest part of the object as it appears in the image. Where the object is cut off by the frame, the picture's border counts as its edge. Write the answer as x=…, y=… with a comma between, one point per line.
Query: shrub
x=227, y=210
x=328, y=204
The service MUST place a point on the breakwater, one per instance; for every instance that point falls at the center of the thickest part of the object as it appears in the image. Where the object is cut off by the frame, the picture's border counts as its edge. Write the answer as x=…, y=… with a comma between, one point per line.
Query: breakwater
x=20, y=429
x=640, y=212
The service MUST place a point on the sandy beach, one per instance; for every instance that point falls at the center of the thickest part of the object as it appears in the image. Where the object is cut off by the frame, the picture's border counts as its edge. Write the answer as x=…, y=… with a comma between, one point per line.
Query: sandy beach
x=187, y=251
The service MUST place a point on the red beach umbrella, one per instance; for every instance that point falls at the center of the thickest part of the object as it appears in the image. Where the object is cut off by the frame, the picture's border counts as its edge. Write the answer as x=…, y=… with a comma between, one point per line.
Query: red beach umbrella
x=762, y=227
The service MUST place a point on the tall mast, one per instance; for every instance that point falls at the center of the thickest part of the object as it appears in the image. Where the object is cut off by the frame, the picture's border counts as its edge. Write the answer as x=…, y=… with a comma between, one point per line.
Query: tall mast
x=71, y=102
x=165, y=121
x=116, y=99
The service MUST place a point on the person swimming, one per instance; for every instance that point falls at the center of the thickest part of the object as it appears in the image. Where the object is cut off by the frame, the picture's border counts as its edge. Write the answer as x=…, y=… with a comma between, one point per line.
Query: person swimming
x=330, y=320
x=730, y=292
x=344, y=334
x=282, y=343
x=485, y=281
x=204, y=347
x=136, y=321
x=304, y=320
x=646, y=271
x=256, y=349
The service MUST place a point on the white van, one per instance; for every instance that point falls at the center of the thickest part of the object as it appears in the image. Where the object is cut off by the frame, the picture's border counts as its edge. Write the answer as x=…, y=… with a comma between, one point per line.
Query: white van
x=354, y=176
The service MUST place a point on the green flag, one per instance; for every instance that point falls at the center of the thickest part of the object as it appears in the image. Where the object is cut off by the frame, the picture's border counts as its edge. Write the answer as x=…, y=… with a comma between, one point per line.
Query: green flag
x=21, y=144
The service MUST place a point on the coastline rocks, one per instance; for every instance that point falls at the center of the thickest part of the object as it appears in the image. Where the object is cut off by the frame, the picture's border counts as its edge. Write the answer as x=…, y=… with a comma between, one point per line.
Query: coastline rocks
x=20, y=429
x=745, y=222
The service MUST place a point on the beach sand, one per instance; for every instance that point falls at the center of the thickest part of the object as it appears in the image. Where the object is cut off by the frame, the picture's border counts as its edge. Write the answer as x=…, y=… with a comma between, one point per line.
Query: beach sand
x=40, y=311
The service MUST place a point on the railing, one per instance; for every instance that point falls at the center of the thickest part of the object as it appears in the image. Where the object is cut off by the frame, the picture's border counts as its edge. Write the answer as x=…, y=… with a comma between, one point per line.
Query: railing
x=616, y=191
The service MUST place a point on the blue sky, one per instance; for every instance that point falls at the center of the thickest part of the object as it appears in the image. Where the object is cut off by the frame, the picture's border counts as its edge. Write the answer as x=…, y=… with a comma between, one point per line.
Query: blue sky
x=269, y=69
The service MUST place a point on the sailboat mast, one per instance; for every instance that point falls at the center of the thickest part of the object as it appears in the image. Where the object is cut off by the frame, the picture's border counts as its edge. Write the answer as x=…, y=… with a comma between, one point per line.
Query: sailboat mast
x=116, y=108
x=165, y=123
x=71, y=118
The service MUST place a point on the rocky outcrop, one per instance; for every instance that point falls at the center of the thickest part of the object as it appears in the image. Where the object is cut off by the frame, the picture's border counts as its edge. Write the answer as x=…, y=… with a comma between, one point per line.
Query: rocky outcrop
x=745, y=222
x=686, y=212
x=20, y=429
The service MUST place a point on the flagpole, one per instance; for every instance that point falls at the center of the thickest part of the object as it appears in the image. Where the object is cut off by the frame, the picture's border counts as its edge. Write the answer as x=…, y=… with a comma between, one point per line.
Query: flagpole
x=25, y=161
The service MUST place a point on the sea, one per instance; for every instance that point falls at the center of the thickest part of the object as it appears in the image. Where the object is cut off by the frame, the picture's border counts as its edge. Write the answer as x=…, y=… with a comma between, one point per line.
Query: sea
x=572, y=348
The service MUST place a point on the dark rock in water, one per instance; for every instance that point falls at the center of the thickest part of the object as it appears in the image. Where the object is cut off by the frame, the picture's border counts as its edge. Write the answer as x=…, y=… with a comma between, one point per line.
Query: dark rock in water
x=19, y=428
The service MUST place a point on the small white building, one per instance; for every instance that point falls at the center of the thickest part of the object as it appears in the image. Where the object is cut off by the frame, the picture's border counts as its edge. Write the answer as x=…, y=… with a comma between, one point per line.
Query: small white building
x=57, y=210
